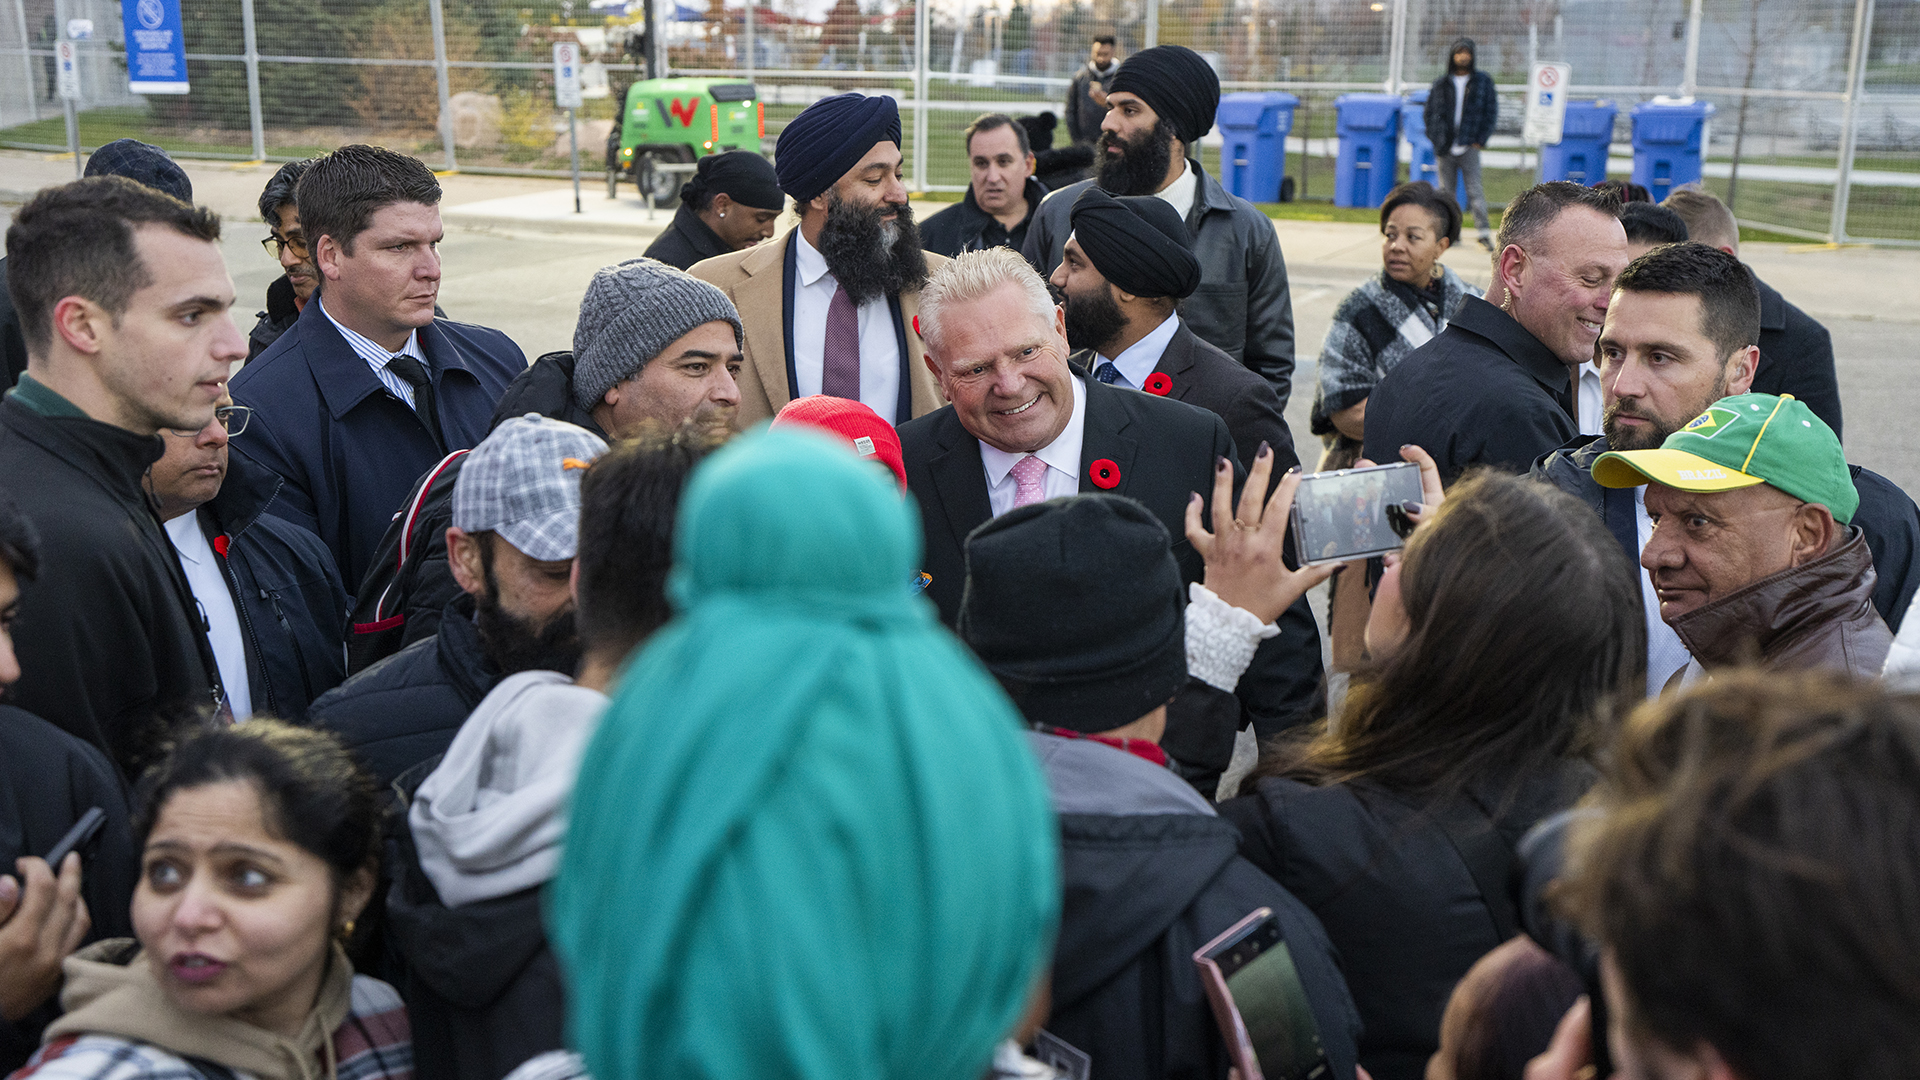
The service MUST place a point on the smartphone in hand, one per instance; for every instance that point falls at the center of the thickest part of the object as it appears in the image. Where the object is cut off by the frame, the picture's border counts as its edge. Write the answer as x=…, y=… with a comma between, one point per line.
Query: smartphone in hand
x=1343, y=514
x=77, y=838
x=1259, y=1002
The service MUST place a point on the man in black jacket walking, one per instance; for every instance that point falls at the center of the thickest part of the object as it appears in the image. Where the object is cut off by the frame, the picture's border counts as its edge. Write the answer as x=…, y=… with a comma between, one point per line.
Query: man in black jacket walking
x=1462, y=110
x=1001, y=198
x=269, y=595
x=123, y=299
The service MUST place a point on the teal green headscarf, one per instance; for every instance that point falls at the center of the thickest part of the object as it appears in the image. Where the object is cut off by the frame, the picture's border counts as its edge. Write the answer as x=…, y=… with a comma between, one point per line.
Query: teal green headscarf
x=809, y=839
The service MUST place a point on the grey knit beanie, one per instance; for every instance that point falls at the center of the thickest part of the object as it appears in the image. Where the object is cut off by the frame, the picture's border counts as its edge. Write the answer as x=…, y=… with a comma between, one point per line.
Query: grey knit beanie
x=630, y=313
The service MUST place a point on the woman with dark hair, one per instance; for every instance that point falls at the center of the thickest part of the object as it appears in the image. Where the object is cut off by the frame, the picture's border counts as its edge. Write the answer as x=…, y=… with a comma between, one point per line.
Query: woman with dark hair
x=1501, y=640
x=729, y=203
x=258, y=850
x=1388, y=317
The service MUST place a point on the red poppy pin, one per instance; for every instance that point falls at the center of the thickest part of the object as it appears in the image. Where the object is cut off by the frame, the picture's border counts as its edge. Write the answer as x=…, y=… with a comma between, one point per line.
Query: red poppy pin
x=916, y=326
x=1159, y=383
x=1104, y=474
x=220, y=545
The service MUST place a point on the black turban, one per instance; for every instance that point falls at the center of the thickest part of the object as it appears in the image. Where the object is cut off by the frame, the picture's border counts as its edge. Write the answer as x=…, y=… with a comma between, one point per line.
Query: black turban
x=829, y=138
x=741, y=175
x=1176, y=84
x=1138, y=243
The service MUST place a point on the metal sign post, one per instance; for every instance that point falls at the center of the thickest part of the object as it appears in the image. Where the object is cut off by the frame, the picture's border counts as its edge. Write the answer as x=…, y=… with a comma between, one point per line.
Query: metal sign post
x=68, y=82
x=566, y=95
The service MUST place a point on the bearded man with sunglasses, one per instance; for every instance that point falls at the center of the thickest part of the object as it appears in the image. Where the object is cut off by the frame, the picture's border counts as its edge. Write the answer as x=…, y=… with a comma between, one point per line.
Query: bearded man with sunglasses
x=269, y=595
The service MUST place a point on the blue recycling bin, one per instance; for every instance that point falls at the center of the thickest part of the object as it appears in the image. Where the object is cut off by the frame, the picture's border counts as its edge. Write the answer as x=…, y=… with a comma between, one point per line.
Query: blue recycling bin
x=1585, y=138
x=1668, y=138
x=1253, y=151
x=1413, y=124
x=1369, y=128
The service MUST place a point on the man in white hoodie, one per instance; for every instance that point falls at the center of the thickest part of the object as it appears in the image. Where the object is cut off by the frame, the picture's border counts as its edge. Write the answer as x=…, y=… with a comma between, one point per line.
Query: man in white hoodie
x=487, y=823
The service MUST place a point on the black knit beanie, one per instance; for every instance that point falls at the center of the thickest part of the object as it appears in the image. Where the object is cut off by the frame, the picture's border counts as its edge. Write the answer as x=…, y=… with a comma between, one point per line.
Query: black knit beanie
x=1075, y=605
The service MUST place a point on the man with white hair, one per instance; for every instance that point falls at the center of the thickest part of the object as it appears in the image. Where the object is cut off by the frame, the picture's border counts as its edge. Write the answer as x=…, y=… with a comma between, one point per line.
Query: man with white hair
x=1024, y=427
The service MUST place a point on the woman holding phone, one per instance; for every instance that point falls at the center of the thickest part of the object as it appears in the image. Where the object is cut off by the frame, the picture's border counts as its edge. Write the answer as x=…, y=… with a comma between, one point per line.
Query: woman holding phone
x=1501, y=640
x=258, y=847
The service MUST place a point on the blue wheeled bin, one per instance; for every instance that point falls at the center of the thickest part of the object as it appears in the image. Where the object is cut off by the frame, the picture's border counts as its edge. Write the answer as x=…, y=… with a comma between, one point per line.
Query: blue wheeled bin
x=1369, y=127
x=1413, y=124
x=1581, y=153
x=1253, y=151
x=1668, y=140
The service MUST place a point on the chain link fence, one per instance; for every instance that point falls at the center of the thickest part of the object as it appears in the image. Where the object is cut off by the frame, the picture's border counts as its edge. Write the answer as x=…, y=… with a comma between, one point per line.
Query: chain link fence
x=1816, y=132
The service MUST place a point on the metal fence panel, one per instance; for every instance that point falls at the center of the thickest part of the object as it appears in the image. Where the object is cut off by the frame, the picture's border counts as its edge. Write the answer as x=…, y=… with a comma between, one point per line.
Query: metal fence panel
x=1816, y=134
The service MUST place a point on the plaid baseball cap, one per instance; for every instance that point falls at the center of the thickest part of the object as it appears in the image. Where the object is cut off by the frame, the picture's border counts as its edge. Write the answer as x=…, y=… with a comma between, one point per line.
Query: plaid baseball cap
x=523, y=482
x=1741, y=441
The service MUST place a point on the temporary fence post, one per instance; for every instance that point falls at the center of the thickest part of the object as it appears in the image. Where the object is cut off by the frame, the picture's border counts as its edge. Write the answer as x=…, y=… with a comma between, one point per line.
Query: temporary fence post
x=920, y=90
x=253, y=82
x=26, y=60
x=748, y=36
x=1397, y=51
x=1690, y=75
x=1850, y=116
x=440, y=75
x=1153, y=24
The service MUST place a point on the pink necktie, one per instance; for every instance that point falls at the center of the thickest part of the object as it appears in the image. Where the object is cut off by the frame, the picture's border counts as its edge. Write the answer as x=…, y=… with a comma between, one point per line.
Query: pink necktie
x=1029, y=481
x=840, y=355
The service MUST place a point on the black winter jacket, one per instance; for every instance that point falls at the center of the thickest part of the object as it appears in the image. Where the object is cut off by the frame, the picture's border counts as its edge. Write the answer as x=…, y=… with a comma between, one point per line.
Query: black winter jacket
x=13, y=344
x=686, y=241
x=482, y=987
x=963, y=226
x=292, y=607
x=1887, y=515
x=1478, y=115
x=406, y=708
x=280, y=314
x=1242, y=307
x=48, y=780
x=1141, y=893
x=1796, y=357
x=1396, y=896
x=109, y=639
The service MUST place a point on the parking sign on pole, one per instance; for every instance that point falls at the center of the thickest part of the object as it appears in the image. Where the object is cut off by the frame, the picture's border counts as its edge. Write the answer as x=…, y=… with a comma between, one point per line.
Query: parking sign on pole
x=1546, y=104
x=566, y=95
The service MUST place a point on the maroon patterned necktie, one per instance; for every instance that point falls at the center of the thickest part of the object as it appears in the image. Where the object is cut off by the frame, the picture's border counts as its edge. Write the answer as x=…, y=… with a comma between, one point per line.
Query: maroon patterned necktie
x=840, y=356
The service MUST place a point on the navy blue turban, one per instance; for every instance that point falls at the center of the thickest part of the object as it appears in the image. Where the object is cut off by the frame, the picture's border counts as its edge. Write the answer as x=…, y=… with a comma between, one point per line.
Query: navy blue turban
x=829, y=138
x=1138, y=243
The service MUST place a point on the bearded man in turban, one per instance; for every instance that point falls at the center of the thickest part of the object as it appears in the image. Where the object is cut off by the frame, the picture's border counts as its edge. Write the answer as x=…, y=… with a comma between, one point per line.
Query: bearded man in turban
x=1159, y=104
x=830, y=307
x=1128, y=264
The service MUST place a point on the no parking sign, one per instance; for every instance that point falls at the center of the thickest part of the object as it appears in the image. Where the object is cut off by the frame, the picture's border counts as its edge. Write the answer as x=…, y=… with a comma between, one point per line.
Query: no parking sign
x=1546, y=104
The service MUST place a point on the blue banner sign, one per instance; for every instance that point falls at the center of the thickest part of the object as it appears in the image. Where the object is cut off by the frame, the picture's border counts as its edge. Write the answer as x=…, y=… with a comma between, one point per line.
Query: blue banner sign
x=156, y=50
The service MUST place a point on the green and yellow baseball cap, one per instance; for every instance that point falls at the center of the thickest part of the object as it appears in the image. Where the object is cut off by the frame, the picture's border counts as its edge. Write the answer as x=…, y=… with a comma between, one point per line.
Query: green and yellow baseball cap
x=1741, y=441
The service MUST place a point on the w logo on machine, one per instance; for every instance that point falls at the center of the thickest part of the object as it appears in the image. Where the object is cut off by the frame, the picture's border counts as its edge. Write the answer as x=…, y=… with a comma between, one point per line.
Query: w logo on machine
x=685, y=111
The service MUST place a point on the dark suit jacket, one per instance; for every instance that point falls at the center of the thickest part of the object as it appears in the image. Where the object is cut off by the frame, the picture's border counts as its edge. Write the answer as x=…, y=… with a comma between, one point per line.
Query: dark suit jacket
x=348, y=449
x=1796, y=357
x=1203, y=375
x=1165, y=451
x=1484, y=392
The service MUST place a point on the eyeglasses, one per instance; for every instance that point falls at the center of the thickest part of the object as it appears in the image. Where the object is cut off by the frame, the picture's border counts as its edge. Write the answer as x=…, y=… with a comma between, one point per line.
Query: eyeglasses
x=274, y=245
x=231, y=417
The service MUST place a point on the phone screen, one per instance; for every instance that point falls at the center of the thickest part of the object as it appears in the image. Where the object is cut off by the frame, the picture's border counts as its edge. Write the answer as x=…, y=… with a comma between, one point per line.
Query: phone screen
x=1341, y=515
x=1273, y=1005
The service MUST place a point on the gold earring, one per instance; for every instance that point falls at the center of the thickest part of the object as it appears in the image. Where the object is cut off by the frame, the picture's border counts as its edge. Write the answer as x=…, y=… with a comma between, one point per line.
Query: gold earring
x=346, y=930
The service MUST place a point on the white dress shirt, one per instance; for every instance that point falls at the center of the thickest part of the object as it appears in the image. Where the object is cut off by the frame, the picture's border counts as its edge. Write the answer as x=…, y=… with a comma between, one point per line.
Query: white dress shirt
x=1062, y=456
x=377, y=358
x=209, y=586
x=813, y=290
x=1665, y=653
x=1138, y=360
x=1459, y=109
x=1589, y=398
x=1181, y=192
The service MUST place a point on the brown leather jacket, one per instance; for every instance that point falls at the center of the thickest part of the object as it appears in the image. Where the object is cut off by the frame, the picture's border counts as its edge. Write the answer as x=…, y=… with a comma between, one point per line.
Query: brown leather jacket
x=1816, y=615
